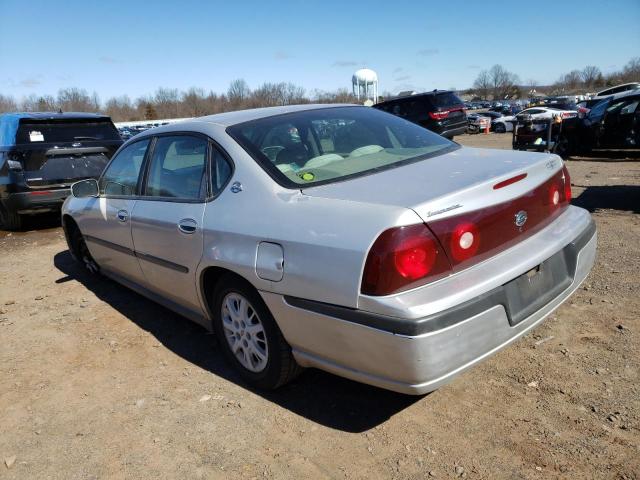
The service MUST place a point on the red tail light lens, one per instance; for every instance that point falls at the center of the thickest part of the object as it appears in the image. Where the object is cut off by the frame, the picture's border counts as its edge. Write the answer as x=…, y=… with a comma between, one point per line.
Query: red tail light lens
x=439, y=115
x=415, y=257
x=402, y=258
x=567, y=184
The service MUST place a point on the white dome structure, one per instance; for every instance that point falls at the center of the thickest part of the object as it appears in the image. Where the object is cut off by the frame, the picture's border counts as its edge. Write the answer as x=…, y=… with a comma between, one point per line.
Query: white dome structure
x=365, y=84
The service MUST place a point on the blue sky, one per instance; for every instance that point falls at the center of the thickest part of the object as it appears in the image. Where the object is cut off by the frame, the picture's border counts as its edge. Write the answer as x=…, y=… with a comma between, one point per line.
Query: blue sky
x=133, y=47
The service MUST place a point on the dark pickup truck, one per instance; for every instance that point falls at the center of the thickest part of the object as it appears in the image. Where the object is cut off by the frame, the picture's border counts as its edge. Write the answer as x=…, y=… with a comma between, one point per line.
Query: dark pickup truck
x=43, y=153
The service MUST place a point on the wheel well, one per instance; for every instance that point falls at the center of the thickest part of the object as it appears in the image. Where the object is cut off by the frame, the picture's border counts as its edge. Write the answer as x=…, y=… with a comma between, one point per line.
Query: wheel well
x=210, y=278
x=69, y=226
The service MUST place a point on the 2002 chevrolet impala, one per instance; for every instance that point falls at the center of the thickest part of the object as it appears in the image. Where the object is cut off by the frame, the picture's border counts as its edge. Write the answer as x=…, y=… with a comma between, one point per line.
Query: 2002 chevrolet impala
x=336, y=237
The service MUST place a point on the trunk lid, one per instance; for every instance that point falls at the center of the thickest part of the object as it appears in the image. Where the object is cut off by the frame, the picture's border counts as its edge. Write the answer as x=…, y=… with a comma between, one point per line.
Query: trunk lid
x=451, y=184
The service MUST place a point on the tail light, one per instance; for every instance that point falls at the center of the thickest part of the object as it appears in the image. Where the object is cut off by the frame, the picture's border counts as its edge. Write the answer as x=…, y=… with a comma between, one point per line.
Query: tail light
x=583, y=112
x=439, y=115
x=465, y=241
x=554, y=196
x=402, y=258
x=567, y=183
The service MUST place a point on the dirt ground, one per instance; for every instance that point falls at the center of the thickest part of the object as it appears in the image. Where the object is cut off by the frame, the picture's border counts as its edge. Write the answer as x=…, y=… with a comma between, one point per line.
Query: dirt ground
x=97, y=382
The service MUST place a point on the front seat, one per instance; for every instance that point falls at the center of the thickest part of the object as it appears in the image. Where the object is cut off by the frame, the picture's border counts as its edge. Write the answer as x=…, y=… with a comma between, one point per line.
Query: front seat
x=294, y=153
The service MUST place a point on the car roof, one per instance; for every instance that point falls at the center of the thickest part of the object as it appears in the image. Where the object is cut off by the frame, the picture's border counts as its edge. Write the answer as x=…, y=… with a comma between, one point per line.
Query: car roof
x=422, y=94
x=630, y=84
x=228, y=119
x=52, y=115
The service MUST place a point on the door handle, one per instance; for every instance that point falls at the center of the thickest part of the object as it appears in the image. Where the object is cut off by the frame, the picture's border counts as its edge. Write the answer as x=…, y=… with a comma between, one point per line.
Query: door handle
x=187, y=225
x=122, y=215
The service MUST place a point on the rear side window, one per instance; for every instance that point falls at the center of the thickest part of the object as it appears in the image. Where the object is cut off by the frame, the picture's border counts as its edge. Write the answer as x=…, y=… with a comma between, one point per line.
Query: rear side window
x=34, y=132
x=121, y=176
x=445, y=100
x=630, y=107
x=598, y=109
x=177, y=169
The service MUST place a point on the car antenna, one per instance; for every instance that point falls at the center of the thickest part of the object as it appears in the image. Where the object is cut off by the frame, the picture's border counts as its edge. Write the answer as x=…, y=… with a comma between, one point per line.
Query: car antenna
x=60, y=110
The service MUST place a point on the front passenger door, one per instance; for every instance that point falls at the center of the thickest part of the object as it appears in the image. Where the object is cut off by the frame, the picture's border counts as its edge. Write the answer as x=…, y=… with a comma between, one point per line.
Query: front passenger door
x=106, y=223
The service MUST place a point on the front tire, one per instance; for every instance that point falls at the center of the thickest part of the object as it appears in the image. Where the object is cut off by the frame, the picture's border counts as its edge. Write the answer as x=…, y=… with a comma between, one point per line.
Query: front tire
x=500, y=128
x=81, y=252
x=10, y=220
x=249, y=336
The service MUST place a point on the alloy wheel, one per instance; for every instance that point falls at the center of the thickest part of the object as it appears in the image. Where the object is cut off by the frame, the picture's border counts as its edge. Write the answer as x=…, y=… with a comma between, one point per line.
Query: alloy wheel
x=244, y=332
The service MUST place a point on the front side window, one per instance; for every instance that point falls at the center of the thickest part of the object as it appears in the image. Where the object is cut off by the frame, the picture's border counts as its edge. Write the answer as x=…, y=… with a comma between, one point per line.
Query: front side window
x=177, y=168
x=330, y=144
x=121, y=176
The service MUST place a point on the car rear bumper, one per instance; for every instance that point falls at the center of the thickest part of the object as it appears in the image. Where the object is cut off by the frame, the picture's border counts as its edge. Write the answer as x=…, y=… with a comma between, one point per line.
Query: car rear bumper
x=418, y=355
x=453, y=131
x=36, y=201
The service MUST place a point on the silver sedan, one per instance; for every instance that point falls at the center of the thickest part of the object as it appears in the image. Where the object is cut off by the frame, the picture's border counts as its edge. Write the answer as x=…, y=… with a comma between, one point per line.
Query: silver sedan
x=337, y=237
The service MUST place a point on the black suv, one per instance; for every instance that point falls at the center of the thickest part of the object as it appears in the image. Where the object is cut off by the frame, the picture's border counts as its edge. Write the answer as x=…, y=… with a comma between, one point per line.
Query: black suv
x=42, y=154
x=613, y=123
x=441, y=111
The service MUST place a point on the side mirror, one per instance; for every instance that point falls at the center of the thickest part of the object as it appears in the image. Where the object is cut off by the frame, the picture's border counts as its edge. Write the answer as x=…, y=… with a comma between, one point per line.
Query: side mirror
x=85, y=188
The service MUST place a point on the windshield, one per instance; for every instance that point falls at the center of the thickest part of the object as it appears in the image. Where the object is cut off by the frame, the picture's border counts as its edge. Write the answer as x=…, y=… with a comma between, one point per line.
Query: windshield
x=321, y=146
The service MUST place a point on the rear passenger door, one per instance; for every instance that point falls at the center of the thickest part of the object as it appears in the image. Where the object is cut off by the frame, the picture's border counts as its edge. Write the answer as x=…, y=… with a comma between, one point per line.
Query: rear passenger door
x=167, y=219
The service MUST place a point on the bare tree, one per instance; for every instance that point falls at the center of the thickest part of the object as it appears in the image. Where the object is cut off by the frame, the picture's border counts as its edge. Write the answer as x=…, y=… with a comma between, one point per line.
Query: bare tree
x=503, y=82
x=35, y=103
x=7, y=104
x=570, y=81
x=166, y=102
x=238, y=92
x=75, y=100
x=482, y=84
x=590, y=75
x=194, y=103
x=342, y=95
x=120, y=109
x=631, y=71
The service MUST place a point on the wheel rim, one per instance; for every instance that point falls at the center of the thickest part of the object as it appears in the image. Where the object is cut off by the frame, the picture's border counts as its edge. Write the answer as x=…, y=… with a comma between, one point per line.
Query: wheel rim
x=244, y=332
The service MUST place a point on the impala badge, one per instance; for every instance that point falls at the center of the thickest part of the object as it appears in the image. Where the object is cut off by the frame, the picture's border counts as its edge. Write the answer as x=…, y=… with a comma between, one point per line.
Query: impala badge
x=520, y=218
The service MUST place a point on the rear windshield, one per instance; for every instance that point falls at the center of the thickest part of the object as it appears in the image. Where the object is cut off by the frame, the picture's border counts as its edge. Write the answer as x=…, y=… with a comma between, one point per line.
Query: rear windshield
x=34, y=132
x=445, y=100
x=325, y=145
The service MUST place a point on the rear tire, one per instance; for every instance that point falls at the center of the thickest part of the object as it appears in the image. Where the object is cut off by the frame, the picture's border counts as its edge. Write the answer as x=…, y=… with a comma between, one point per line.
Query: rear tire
x=249, y=336
x=10, y=220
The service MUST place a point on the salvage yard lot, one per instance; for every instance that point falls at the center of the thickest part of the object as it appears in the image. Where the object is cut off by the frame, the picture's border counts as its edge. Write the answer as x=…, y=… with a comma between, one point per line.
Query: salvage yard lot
x=97, y=382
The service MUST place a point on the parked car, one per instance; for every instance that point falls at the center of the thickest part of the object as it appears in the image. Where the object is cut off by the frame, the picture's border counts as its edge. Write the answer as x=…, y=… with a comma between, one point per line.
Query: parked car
x=440, y=111
x=336, y=237
x=474, y=120
x=505, y=123
x=506, y=109
x=614, y=122
x=42, y=154
x=625, y=87
x=561, y=103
